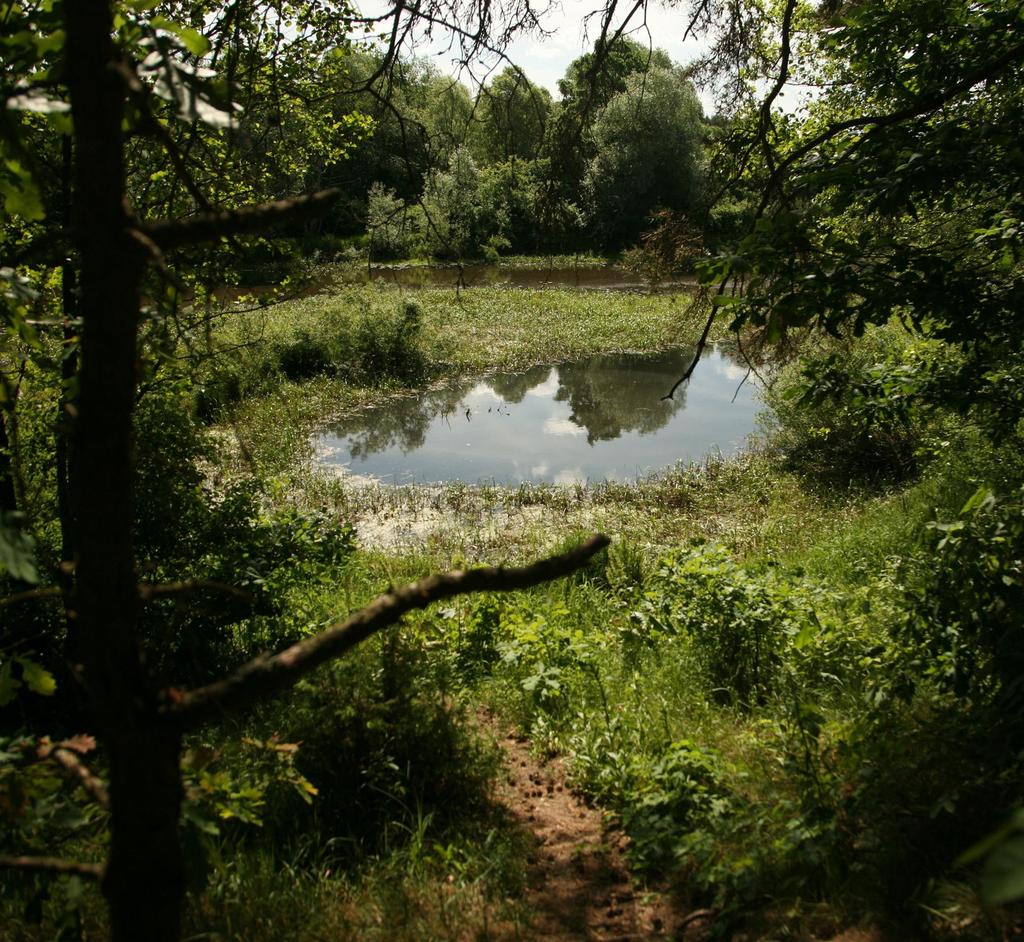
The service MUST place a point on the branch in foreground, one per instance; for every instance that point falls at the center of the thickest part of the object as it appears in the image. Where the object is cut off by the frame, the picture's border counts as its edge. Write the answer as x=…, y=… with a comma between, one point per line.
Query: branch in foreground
x=268, y=673
x=208, y=226
x=31, y=595
x=53, y=865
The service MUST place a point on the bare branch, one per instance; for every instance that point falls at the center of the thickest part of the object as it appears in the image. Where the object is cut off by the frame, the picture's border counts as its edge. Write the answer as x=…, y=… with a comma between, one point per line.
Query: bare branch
x=53, y=865
x=780, y=83
x=701, y=344
x=76, y=769
x=268, y=673
x=189, y=587
x=31, y=595
x=207, y=226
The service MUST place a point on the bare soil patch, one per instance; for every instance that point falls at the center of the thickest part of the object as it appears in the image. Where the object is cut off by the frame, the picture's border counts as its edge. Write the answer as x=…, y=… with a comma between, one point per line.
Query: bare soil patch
x=579, y=887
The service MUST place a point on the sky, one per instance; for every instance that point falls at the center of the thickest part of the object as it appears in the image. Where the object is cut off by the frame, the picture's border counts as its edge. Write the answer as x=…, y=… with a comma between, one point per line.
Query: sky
x=544, y=59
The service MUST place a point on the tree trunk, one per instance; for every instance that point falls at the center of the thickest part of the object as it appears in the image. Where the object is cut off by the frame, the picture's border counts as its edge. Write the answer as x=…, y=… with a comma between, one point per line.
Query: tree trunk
x=144, y=881
x=63, y=426
x=8, y=497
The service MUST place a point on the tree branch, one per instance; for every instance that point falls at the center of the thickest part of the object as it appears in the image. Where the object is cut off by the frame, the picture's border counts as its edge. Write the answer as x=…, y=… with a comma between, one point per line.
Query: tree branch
x=76, y=769
x=31, y=595
x=208, y=226
x=701, y=344
x=922, y=106
x=268, y=673
x=780, y=83
x=191, y=586
x=53, y=865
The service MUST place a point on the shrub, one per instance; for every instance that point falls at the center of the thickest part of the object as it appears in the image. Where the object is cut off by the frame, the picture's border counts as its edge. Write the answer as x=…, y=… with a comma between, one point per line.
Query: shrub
x=735, y=619
x=380, y=747
x=303, y=356
x=855, y=414
x=388, y=347
x=666, y=798
x=394, y=229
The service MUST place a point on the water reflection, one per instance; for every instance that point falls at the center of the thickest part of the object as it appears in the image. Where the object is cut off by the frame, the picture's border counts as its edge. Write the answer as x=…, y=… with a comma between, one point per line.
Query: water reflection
x=609, y=395
x=595, y=419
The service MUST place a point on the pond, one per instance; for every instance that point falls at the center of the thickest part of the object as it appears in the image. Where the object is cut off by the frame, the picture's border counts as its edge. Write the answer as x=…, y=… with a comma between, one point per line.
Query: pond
x=484, y=275
x=587, y=421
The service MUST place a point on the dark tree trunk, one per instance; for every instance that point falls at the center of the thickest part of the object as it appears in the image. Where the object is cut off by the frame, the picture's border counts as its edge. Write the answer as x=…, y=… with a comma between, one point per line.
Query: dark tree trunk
x=68, y=369
x=144, y=878
x=8, y=497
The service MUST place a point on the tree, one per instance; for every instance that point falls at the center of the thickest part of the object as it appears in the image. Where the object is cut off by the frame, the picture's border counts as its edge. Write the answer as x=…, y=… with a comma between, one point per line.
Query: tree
x=894, y=192
x=420, y=118
x=590, y=82
x=647, y=155
x=451, y=204
x=511, y=115
x=593, y=79
x=98, y=54
x=508, y=199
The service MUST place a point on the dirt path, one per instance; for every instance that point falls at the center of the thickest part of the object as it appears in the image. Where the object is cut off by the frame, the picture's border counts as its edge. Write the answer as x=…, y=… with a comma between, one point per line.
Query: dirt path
x=578, y=883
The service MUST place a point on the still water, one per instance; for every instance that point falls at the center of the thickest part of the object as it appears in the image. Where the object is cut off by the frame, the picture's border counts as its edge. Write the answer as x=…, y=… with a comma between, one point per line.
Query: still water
x=591, y=420
x=478, y=275
x=483, y=275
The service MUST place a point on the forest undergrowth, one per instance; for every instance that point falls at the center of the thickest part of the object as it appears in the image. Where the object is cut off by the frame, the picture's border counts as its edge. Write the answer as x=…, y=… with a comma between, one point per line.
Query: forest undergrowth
x=780, y=684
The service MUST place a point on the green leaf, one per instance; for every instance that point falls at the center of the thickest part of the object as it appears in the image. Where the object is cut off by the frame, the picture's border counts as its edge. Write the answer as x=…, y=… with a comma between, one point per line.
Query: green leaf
x=36, y=678
x=1002, y=879
x=194, y=41
x=22, y=199
x=17, y=554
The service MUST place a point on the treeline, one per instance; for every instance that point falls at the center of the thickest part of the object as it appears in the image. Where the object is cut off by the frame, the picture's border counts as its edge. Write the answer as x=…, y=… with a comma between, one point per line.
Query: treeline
x=449, y=175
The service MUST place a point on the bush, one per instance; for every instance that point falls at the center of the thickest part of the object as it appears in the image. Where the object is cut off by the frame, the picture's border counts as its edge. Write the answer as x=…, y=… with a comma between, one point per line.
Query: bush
x=394, y=229
x=187, y=529
x=666, y=798
x=389, y=347
x=735, y=619
x=380, y=747
x=855, y=415
x=964, y=616
x=304, y=356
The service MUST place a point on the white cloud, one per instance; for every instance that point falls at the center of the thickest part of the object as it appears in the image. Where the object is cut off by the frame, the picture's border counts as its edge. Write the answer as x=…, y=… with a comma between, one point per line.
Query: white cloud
x=571, y=476
x=547, y=389
x=554, y=426
x=482, y=393
x=730, y=370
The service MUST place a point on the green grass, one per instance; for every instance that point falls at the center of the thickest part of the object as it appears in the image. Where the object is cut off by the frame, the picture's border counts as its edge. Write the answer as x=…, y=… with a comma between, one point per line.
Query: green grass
x=485, y=328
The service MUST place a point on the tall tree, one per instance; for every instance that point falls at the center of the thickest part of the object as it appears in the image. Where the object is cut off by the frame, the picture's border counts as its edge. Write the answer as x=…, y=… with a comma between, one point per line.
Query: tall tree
x=590, y=82
x=511, y=115
x=647, y=155
x=897, y=191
